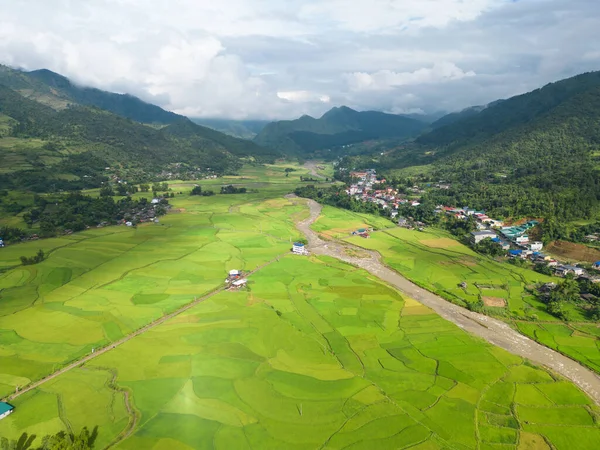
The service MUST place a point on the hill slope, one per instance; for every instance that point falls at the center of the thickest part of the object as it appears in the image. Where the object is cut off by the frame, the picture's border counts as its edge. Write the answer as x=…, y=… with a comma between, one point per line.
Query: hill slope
x=339, y=126
x=533, y=154
x=59, y=92
x=70, y=148
x=244, y=129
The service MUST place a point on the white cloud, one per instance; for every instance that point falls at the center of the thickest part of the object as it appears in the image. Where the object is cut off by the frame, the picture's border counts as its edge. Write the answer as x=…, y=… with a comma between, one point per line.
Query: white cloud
x=388, y=79
x=272, y=59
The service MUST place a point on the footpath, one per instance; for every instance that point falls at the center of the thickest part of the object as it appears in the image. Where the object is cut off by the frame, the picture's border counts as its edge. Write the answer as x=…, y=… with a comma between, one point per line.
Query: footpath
x=121, y=341
x=492, y=330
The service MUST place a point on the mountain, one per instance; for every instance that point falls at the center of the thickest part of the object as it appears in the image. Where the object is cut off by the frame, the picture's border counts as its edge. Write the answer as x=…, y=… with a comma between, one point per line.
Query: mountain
x=534, y=154
x=42, y=148
x=244, y=129
x=337, y=127
x=457, y=116
x=59, y=92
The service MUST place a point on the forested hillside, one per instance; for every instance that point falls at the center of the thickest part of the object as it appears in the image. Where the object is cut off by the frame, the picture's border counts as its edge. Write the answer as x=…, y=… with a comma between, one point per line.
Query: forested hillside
x=77, y=143
x=338, y=127
x=536, y=154
x=244, y=129
x=59, y=92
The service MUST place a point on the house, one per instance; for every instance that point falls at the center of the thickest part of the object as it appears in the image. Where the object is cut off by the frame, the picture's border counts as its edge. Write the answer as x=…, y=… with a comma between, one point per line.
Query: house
x=536, y=246
x=565, y=270
x=5, y=410
x=234, y=273
x=596, y=265
x=1, y=243
x=478, y=236
x=129, y=224
x=522, y=240
x=505, y=245
x=299, y=249
x=239, y=284
x=155, y=201
x=515, y=253
x=362, y=232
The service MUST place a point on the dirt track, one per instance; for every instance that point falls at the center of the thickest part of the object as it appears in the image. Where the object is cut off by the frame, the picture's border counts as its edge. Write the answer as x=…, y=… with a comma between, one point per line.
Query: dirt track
x=490, y=329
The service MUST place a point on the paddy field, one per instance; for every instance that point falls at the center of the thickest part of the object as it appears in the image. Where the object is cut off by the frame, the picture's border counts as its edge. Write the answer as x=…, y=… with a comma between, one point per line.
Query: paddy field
x=315, y=353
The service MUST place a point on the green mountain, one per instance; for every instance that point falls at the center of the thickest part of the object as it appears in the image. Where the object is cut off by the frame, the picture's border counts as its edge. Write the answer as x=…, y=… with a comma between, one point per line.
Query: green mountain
x=338, y=127
x=43, y=149
x=59, y=92
x=244, y=129
x=533, y=154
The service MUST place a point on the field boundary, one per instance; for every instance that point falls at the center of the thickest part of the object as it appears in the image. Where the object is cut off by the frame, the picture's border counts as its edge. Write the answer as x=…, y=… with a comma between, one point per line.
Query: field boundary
x=123, y=340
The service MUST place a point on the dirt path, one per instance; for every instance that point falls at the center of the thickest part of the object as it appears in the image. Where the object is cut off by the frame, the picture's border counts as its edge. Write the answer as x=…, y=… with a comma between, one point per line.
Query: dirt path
x=312, y=166
x=121, y=341
x=488, y=328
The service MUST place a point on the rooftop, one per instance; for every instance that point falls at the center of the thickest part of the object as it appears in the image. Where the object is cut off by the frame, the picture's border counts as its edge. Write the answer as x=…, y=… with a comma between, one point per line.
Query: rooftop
x=5, y=407
x=483, y=233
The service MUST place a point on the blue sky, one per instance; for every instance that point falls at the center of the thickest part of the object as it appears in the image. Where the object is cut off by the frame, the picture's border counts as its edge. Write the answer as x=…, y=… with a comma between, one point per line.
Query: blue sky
x=274, y=59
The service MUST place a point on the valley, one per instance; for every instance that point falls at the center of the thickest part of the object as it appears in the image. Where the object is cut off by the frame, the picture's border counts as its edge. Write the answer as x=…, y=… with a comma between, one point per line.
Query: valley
x=175, y=283
x=313, y=343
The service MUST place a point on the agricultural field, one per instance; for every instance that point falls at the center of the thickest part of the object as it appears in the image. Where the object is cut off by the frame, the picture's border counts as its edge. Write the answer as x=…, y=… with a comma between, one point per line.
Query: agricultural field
x=435, y=261
x=339, y=223
x=315, y=354
x=102, y=284
x=438, y=263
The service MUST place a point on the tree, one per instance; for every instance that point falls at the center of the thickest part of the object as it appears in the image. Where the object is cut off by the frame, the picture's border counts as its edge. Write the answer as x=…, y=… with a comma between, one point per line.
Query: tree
x=62, y=440
x=144, y=187
x=106, y=191
x=197, y=190
x=122, y=189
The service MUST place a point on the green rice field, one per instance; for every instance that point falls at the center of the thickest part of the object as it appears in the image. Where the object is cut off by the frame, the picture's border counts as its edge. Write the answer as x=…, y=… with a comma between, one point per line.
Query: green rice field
x=438, y=263
x=340, y=223
x=102, y=284
x=315, y=354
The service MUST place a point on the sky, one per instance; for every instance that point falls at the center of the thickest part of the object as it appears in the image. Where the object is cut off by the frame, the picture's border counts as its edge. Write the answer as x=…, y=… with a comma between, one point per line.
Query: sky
x=276, y=59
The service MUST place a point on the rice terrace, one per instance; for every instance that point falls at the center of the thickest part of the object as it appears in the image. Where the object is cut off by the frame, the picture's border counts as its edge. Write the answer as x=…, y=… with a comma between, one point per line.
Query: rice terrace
x=314, y=352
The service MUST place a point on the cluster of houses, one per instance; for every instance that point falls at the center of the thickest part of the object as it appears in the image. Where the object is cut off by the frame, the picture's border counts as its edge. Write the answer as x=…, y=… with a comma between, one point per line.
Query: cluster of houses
x=235, y=280
x=362, y=189
x=1, y=243
x=516, y=241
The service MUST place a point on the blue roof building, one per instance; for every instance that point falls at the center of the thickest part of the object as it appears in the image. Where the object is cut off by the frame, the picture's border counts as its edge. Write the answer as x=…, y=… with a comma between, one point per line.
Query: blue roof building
x=5, y=409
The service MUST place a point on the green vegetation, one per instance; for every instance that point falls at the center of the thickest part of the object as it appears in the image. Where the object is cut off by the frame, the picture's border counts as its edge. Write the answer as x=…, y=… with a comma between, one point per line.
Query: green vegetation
x=104, y=283
x=534, y=155
x=96, y=131
x=62, y=440
x=245, y=129
x=339, y=127
x=315, y=353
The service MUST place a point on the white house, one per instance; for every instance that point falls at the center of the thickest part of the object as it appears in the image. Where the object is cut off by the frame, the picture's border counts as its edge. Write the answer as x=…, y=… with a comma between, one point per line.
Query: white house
x=478, y=236
x=239, y=283
x=536, y=246
x=155, y=201
x=234, y=273
x=299, y=248
x=522, y=239
x=5, y=410
x=1, y=243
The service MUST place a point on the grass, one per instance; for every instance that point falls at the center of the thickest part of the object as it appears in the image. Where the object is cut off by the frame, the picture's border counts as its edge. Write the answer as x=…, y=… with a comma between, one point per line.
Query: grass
x=316, y=354
x=421, y=257
x=100, y=285
x=339, y=223
x=439, y=268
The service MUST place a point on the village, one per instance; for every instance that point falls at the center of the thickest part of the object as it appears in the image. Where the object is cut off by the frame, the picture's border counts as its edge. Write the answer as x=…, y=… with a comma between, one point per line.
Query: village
x=512, y=239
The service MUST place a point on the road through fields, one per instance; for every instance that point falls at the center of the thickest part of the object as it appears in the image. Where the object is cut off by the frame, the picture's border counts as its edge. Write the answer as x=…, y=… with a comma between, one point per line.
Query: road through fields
x=492, y=330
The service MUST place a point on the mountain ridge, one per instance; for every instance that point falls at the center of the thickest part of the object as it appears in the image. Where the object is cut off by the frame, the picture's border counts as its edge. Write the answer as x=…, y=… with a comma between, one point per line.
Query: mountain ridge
x=337, y=127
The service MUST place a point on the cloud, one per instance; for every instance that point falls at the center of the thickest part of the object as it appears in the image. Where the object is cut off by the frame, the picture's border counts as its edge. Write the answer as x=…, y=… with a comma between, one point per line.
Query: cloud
x=270, y=59
x=388, y=79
